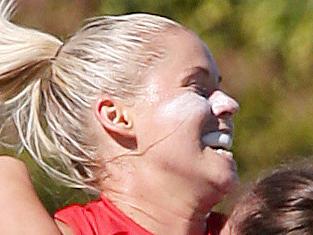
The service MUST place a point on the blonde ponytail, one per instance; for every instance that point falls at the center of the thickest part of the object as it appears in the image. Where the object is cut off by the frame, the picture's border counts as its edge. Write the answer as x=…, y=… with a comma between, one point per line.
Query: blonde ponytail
x=23, y=53
x=26, y=60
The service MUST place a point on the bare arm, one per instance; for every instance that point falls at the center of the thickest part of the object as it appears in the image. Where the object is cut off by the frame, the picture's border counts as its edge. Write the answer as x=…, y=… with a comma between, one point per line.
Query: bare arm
x=21, y=211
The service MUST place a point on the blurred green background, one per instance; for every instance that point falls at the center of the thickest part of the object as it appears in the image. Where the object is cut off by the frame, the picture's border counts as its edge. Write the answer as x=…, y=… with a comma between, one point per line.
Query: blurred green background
x=264, y=49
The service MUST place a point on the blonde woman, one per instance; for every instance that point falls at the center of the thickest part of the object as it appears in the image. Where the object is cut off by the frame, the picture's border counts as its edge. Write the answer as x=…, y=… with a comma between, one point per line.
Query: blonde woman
x=129, y=107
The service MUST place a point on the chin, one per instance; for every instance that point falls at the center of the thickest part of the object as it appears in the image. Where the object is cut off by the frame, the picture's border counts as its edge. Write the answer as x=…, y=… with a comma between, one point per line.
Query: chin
x=230, y=184
x=227, y=183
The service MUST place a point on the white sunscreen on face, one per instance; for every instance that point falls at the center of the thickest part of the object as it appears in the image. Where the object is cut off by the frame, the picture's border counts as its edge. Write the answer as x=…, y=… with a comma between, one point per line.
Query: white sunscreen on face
x=183, y=105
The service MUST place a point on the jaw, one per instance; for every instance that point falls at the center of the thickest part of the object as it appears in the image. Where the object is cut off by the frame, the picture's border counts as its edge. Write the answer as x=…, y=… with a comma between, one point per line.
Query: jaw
x=221, y=168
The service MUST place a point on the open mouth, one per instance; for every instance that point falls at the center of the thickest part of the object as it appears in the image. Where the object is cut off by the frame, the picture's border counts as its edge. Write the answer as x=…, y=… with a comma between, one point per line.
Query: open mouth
x=218, y=140
x=221, y=142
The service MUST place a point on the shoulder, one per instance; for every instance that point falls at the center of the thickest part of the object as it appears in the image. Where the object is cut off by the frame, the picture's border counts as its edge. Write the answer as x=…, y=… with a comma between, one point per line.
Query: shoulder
x=71, y=220
x=78, y=219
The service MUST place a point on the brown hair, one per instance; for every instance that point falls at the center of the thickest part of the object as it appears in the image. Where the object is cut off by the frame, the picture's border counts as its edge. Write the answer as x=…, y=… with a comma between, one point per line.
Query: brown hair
x=281, y=203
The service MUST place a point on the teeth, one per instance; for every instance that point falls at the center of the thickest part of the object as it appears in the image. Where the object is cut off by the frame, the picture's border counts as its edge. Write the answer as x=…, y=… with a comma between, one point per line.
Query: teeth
x=222, y=152
x=218, y=139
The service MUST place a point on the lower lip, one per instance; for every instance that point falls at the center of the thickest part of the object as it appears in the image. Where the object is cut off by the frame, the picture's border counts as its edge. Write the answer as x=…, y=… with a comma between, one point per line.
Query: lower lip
x=224, y=153
x=228, y=156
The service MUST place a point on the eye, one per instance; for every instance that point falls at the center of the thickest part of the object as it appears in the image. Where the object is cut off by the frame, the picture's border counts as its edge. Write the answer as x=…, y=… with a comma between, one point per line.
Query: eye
x=200, y=90
x=219, y=79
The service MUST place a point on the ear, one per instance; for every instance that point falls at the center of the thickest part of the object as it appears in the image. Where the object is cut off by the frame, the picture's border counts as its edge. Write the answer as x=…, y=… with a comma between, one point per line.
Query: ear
x=114, y=118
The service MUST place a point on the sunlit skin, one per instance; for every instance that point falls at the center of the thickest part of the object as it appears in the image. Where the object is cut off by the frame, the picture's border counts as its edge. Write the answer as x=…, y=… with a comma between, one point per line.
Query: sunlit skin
x=171, y=186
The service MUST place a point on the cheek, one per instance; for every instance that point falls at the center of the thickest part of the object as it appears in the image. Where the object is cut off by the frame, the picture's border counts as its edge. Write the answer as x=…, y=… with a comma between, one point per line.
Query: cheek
x=175, y=120
x=188, y=106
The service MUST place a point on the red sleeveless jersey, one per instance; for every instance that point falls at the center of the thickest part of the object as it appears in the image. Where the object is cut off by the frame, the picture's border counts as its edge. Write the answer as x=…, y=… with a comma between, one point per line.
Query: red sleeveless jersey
x=101, y=217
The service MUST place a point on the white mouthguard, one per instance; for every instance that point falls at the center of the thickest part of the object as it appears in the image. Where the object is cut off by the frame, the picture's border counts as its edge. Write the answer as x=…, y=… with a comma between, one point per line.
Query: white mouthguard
x=218, y=139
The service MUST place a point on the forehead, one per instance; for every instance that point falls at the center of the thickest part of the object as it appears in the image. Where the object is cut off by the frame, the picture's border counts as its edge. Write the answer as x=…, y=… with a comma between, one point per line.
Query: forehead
x=183, y=51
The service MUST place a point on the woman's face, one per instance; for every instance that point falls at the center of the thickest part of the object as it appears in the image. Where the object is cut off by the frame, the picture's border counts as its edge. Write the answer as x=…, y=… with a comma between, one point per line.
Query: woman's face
x=183, y=124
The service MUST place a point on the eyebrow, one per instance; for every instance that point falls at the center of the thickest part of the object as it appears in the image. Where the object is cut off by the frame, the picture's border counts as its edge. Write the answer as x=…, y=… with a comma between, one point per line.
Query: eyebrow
x=196, y=70
x=193, y=72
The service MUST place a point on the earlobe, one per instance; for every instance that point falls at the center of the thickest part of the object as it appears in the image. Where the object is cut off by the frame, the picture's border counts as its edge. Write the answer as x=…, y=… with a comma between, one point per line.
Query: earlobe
x=113, y=118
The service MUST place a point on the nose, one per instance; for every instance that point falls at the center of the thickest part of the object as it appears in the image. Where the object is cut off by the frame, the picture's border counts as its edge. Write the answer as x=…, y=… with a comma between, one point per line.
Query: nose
x=222, y=104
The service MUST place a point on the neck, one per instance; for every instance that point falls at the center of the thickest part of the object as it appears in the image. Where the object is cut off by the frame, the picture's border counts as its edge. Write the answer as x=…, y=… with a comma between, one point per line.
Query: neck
x=162, y=205
x=158, y=220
